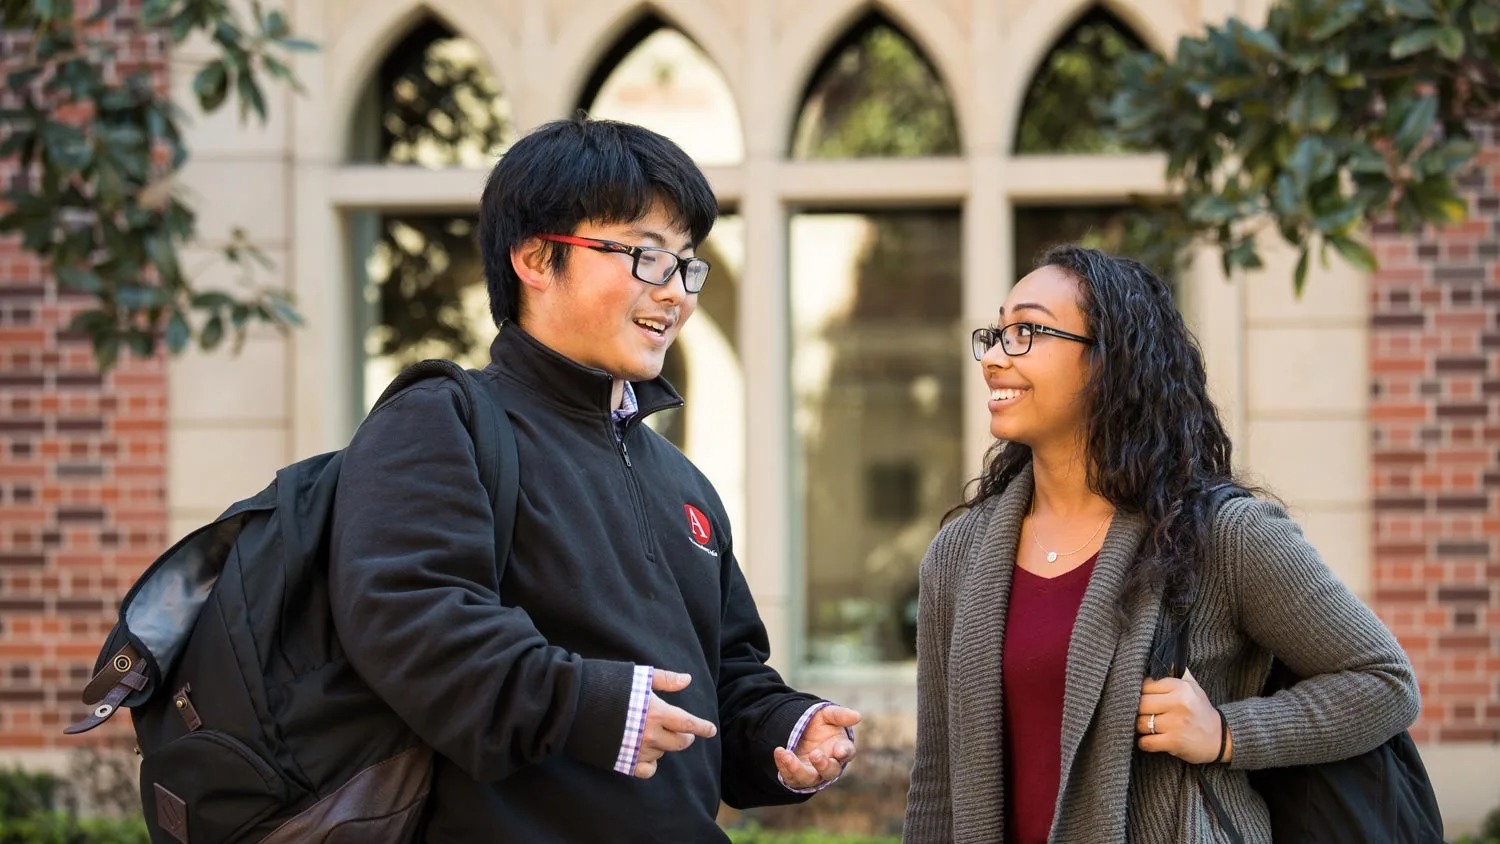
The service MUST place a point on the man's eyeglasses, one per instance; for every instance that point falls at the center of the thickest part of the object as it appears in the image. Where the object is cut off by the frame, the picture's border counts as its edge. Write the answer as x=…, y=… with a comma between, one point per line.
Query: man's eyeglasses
x=648, y=263
x=1015, y=339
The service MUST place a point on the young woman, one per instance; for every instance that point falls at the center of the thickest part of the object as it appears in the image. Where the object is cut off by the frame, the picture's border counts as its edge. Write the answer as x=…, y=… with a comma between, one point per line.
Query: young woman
x=1040, y=604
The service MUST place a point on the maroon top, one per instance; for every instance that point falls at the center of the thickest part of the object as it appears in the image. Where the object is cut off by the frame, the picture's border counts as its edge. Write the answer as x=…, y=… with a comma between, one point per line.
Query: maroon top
x=1034, y=663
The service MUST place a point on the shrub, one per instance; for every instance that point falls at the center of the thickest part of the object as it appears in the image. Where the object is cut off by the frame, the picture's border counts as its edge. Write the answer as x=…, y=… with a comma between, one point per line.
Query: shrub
x=757, y=834
x=42, y=808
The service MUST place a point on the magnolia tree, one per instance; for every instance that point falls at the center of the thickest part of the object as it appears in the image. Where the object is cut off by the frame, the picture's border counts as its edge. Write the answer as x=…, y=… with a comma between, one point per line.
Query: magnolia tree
x=1335, y=115
x=98, y=144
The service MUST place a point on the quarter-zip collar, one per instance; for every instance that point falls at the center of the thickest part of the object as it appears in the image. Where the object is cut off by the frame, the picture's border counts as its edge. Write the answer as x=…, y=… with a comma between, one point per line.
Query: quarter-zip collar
x=527, y=362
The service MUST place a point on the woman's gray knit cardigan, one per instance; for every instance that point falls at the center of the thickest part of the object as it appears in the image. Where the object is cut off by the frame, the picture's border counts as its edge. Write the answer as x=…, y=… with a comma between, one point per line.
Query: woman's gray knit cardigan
x=1264, y=591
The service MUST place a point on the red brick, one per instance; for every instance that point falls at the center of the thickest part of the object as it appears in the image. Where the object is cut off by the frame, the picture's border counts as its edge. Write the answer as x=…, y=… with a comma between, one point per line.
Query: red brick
x=1442, y=550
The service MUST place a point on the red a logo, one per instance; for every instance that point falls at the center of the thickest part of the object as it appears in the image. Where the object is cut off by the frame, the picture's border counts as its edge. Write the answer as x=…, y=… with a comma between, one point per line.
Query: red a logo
x=698, y=525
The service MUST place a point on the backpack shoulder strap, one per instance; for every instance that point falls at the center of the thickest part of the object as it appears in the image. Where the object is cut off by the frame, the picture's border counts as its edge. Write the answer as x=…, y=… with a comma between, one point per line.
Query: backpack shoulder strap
x=1217, y=496
x=1176, y=629
x=494, y=441
x=499, y=461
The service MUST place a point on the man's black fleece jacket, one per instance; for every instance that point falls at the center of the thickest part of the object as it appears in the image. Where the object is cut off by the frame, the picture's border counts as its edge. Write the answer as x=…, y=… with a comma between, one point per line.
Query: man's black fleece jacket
x=521, y=682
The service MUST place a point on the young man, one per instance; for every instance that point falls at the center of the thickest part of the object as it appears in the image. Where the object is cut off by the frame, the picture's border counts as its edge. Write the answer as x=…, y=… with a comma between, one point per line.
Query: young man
x=612, y=685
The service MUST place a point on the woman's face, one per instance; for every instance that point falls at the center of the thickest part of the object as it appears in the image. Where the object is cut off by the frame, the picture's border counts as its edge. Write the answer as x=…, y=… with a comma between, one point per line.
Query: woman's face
x=1036, y=396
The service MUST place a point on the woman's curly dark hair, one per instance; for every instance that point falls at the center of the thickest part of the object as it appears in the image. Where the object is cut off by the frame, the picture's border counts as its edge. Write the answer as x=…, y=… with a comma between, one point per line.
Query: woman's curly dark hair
x=1154, y=439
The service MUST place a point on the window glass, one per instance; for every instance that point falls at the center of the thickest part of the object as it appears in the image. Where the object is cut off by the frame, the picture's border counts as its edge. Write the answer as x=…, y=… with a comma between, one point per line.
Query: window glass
x=432, y=102
x=875, y=96
x=658, y=78
x=877, y=363
x=1061, y=113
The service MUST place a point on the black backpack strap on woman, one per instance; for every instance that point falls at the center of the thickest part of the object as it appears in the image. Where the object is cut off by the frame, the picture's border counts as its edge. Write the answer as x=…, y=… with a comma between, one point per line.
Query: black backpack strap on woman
x=1382, y=796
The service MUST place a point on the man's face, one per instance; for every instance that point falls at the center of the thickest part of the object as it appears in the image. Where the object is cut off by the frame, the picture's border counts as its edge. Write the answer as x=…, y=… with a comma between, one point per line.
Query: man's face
x=598, y=314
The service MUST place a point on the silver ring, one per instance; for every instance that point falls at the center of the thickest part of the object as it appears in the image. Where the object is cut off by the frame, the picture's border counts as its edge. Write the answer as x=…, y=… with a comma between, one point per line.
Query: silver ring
x=1151, y=723
x=103, y=710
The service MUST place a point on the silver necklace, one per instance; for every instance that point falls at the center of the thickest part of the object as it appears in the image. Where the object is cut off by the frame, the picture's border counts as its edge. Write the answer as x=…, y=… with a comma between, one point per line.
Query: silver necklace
x=1053, y=555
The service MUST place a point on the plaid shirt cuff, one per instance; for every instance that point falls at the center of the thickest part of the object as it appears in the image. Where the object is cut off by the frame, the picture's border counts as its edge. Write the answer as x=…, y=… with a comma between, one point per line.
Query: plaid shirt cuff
x=635, y=721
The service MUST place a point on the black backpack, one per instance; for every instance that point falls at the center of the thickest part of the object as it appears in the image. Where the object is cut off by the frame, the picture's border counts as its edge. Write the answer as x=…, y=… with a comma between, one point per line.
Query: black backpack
x=1382, y=796
x=250, y=721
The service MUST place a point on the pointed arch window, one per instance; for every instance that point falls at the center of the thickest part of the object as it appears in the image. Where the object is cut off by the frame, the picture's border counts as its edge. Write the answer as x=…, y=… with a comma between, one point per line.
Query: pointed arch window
x=655, y=76
x=875, y=95
x=1082, y=67
x=433, y=102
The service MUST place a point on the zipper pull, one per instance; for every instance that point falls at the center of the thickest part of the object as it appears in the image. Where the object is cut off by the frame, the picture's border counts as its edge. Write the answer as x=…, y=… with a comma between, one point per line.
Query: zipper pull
x=625, y=453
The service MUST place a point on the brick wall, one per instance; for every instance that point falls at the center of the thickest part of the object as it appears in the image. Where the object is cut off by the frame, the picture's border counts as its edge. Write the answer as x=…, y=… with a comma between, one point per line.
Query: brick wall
x=1435, y=418
x=82, y=473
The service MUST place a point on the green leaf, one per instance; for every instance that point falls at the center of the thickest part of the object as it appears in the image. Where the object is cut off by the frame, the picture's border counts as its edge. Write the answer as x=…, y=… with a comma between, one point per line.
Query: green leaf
x=141, y=342
x=1485, y=18
x=297, y=45
x=163, y=256
x=79, y=280
x=1451, y=209
x=106, y=349
x=1436, y=202
x=275, y=67
x=106, y=10
x=14, y=142
x=1255, y=41
x=250, y=96
x=1450, y=42
x=227, y=34
x=212, y=334
x=182, y=26
x=1314, y=106
x=178, y=333
x=1342, y=16
x=66, y=146
x=138, y=297
x=211, y=300
x=1309, y=162
x=275, y=25
x=1366, y=159
x=1416, y=123
x=1416, y=41
x=282, y=308
x=1244, y=255
x=1286, y=199
x=18, y=79
x=1299, y=278
x=211, y=85
x=1339, y=220
x=1413, y=9
x=1212, y=209
x=1357, y=254
x=153, y=11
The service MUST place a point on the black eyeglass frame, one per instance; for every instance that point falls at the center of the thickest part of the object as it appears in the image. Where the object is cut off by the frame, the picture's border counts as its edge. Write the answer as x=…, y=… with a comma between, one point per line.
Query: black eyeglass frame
x=984, y=339
x=635, y=252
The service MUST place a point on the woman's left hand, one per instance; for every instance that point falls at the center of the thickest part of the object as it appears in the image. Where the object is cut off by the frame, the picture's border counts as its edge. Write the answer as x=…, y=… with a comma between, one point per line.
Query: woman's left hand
x=1176, y=717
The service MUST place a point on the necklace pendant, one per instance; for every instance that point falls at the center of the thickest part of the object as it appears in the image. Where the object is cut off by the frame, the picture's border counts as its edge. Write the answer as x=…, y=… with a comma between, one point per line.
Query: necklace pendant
x=1051, y=556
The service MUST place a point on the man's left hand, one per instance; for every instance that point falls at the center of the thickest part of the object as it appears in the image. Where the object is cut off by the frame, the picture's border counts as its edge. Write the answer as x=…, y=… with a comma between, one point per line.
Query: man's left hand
x=824, y=751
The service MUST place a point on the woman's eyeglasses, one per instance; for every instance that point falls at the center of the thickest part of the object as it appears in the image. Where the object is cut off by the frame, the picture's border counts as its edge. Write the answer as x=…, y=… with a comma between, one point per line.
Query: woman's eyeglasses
x=1015, y=339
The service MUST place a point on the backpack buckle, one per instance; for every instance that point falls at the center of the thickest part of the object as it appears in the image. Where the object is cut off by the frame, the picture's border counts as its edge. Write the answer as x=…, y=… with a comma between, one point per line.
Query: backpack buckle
x=114, y=670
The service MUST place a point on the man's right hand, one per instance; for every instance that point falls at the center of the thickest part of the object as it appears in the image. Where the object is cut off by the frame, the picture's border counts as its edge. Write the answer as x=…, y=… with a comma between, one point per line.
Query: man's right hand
x=668, y=728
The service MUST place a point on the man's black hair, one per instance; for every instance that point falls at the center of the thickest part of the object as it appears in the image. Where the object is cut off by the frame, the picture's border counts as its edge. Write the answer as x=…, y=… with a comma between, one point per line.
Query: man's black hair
x=570, y=171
